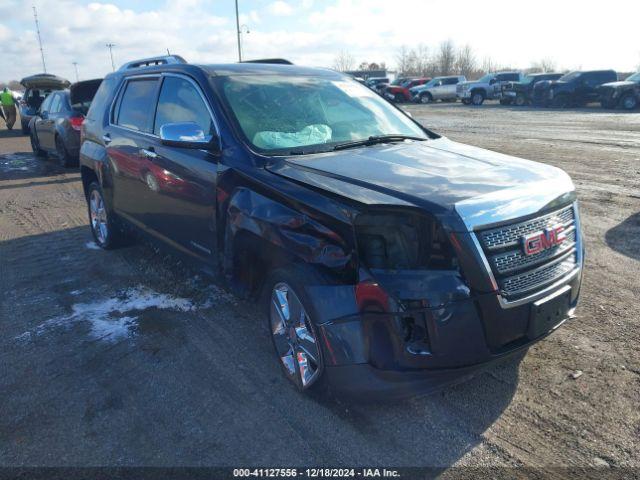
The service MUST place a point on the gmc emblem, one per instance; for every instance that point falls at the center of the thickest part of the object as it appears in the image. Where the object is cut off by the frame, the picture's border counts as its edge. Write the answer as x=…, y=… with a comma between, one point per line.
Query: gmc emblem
x=539, y=241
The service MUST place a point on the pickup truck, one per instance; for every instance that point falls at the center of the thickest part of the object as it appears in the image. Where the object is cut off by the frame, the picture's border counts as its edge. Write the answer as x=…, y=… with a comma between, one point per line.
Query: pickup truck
x=440, y=88
x=488, y=87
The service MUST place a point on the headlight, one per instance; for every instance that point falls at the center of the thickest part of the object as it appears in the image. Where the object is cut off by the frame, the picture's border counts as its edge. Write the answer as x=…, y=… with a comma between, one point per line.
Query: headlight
x=407, y=241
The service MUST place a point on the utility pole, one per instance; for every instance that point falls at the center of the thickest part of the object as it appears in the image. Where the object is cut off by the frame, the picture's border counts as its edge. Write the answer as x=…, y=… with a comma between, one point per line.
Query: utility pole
x=75, y=65
x=238, y=32
x=35, y=16
x=110, y=47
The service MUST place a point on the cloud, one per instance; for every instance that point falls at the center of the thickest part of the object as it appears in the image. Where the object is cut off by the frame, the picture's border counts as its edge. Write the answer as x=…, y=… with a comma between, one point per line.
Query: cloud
x=280, y=8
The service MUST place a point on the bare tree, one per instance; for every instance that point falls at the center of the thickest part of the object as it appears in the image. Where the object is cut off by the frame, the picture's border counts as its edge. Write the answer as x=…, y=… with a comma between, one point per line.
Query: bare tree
x=403, y=61
x=344, y=61
x=545, y=65
x=488, y=65
x=465, y=61
x=446, y=57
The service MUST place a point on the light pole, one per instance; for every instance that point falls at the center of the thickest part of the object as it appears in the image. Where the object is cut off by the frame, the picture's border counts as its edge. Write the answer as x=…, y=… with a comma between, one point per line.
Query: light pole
x=75, y=65
x=35, y=17
x=238, y=32
x=110, y=47
x=243, y=29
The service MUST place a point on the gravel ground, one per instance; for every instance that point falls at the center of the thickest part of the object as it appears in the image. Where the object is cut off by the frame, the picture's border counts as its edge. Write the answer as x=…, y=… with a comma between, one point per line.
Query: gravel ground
x=128, y=357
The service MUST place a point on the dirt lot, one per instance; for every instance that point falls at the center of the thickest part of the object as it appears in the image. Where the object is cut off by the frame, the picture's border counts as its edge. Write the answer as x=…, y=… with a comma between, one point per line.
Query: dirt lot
x=129, y=358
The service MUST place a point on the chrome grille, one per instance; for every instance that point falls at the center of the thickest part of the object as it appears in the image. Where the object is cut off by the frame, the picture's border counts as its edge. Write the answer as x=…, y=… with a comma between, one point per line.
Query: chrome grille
x=518, y=274
x=511, y=234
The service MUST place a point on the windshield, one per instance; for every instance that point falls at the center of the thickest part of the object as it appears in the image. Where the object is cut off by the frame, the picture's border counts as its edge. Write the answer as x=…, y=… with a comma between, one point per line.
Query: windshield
x=277, y=112
x=570, y=76
x=634, y=78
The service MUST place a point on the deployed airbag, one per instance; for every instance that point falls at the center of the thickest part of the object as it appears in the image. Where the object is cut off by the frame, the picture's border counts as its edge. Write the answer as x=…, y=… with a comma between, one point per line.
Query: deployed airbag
x=309, y=135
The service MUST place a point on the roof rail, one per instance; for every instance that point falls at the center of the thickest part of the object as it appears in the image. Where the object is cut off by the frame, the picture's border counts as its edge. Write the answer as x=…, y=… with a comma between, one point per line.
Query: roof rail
x=153, y=61
x=275, y=61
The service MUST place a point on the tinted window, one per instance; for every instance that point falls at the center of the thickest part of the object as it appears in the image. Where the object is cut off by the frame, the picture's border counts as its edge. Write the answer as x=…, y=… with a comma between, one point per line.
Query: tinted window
x=508, y=77
x=451, y=81
x=136, y=106
x=45, y=105
x=179, y=101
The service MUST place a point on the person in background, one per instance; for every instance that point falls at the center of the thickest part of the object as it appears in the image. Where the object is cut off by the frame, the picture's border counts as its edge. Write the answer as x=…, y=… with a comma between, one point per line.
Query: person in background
x=8, y=107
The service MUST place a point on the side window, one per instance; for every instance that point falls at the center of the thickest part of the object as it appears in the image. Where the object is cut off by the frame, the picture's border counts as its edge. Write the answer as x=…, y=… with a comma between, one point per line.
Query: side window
x=55, y=104
x=451, y=81
x=179, y=101
x=45, y=105
x=136, y=104
x=101, y=97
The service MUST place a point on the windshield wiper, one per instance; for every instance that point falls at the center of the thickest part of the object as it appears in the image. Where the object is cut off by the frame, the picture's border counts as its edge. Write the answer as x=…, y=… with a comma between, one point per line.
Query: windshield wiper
x=376, y=139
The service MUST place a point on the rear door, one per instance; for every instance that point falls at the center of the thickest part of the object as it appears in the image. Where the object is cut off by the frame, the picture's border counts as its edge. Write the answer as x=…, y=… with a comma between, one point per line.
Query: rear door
x=449, y=87
x=46, y=126
x=182, y=182
x=128, y=133
x=41, y=117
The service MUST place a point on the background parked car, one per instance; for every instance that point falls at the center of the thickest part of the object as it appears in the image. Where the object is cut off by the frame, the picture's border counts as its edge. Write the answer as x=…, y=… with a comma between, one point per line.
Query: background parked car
x=37, y=88
x=576, y=88
x=521, y=93
x=440, y=88
x=488, y=87
x=400, y=92
x=376, y=83
x=624, y=94
x=55, y=128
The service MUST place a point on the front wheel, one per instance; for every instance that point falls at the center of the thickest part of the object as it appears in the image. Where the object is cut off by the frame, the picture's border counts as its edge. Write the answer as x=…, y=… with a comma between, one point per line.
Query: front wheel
x=629, y=102
x=426, y=98
x=561, y=101
x=398, y=98
x=520, y=101
x=292, y=326
x=35, y=146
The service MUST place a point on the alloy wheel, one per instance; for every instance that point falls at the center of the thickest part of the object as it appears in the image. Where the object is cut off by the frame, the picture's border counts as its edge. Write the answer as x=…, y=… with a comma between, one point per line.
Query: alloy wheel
x=294, y=337
x=98, y=214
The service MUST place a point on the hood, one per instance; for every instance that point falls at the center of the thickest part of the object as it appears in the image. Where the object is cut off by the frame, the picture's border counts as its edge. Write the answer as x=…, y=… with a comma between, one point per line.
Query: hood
x=437, y=175
x=622, y=83
x=45, y=81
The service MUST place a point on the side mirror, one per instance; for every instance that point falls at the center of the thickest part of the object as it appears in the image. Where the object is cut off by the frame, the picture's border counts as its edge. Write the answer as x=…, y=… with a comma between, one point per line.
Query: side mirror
x=185, y=135
x=492, y=81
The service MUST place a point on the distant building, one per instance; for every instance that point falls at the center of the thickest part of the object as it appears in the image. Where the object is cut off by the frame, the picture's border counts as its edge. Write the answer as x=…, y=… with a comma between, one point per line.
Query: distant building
x=367, y=73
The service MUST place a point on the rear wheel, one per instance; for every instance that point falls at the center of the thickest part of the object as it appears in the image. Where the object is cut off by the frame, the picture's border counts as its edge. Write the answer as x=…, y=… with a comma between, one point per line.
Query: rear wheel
x=477, y=98
x=520, y=100
x=105, y=232
x=64, y=158
x=292, y=326
x=35, y=146
x=629, y=102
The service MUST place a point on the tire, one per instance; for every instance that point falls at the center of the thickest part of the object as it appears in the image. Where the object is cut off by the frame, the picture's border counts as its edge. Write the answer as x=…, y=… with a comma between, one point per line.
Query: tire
x=629, y=101
x=62, y=153
x=426, y=98
x=296, y=342
x=477, y=98
x=398, y=98
x=105, y=230
x=561, y=101
x=35, y=146
x=466, y=101
x=520, y=100
x=24, y=128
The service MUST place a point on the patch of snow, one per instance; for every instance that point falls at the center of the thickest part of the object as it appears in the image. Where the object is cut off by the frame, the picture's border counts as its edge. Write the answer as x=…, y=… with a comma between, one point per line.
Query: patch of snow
x=92, y=246
x=114, y=318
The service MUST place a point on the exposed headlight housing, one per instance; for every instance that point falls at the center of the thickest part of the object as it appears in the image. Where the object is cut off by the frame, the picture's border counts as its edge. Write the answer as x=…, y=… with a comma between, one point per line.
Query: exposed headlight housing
x=403, y=241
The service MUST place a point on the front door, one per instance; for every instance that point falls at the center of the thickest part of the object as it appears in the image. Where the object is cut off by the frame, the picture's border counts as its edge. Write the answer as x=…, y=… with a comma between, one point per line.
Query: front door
x=182, y=182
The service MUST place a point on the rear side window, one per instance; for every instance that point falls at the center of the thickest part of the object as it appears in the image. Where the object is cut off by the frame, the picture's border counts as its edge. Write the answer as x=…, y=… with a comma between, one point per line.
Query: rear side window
x=55, y=104
x=180, y=101
x=451, y=81
x=45, y=105
x=136, y=104
x=508, y=77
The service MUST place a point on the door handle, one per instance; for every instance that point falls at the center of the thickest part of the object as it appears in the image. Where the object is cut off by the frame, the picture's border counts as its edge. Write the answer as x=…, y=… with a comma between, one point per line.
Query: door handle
x=149, y=153
x=106, y=138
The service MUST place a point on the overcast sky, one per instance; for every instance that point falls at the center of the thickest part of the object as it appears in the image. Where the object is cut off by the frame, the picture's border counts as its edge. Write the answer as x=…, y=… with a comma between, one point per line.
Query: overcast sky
x=576, y=35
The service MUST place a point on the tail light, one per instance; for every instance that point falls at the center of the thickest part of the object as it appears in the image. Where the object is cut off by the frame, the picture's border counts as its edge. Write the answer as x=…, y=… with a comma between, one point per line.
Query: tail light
x=76, y=123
